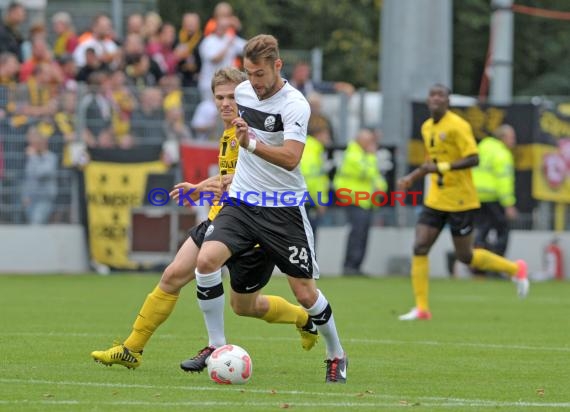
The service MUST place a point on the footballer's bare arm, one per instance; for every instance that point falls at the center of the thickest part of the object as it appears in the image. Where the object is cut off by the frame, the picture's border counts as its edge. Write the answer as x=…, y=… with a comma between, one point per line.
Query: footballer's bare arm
x=287, y=156
x=211, y=185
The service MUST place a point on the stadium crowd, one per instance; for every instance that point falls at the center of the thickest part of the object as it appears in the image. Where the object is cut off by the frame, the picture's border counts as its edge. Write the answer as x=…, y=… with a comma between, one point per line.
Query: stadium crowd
x=96, y=89
x=130, y=82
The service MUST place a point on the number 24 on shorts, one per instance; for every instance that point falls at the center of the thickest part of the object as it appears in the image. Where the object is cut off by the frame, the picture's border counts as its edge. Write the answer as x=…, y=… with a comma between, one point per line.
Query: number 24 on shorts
x=299, y=255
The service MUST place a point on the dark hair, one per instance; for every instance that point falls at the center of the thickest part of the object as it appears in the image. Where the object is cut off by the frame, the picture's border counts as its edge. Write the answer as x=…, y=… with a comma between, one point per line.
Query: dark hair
x=441, y=86
x=14, y=5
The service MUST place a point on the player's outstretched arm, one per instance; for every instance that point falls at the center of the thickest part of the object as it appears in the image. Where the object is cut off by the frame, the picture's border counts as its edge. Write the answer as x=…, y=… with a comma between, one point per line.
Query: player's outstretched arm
x=407, y=181
x=465, y=163
x=431, y=167
x=211, y=185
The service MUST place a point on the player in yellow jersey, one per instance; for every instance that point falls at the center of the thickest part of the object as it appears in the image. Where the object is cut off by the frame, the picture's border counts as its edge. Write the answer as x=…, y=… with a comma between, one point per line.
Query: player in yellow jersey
x=160, y=303
x=451, y=199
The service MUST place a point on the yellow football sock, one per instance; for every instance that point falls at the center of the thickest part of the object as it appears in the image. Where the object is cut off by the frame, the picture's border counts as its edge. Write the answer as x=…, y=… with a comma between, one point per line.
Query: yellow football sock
x=420, y=281
x=155, y=310
x=485, y=260
x=281, y=311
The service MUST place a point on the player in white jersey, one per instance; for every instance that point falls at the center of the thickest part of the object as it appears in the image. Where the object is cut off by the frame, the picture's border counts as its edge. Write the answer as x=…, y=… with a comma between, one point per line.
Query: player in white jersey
x=272, y=130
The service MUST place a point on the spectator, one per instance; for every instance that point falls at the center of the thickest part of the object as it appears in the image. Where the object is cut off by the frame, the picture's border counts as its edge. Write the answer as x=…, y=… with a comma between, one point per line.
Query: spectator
x=359, y=173
x=318, y=120
x=66, y=40
x=95, y=108
x=147, y=120
x=141, y=70
x=315, y=171
x=152, y=23
x=187, y=50
x=175, y=132
x=9, y=68
x=40, y=54
x=10, y=37
x=135, y=24
x=223, y=10
x=301, y=80
x=162, y=52
x=100, y=41
x=36, y=29
x=74, y=150
x=170, y=86
x=92, y=64
x=40, y=182
x=68, y=71
x=217, y=50
x=38, y=99
x=205, y=120
x=494, y=180
x=122, y=106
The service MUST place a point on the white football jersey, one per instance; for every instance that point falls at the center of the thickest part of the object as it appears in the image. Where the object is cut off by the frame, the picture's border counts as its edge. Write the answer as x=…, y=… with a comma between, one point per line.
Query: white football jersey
x=283, y=116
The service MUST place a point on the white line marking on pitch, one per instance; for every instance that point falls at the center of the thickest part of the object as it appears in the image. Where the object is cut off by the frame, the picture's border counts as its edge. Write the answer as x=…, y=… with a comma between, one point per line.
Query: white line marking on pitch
x=433, y=343
x=195, y=403
x=398, y=400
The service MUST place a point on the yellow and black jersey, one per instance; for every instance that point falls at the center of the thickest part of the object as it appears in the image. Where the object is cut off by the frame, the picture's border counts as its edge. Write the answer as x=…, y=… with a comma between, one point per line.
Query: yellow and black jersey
x=449, y=140
x=227, y=160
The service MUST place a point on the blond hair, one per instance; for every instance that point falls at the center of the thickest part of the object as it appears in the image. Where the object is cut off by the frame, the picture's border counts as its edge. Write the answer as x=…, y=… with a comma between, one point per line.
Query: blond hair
x=227, y=75
x=262, y=47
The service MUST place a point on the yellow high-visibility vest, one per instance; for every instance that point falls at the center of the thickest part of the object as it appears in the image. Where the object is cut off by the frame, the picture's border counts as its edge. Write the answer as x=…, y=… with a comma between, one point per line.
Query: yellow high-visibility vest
x=313, y=170
x=359, y=173
x=494, y=178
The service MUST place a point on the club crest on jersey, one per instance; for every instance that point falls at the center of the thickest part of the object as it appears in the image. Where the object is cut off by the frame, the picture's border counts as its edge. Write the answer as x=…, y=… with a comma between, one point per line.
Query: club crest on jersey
x=442, y=136
x=209, y=230
x=269, y=123
x=233, y=144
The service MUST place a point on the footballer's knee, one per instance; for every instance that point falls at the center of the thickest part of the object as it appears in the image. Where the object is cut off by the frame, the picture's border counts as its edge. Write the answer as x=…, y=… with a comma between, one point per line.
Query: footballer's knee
x=205, y=264
x=464, y=256
x=175, y=277
x=306, y=296
x=212, y=256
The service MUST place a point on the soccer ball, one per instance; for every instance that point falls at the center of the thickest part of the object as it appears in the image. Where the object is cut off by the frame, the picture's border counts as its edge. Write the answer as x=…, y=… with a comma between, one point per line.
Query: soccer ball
x=230, y=364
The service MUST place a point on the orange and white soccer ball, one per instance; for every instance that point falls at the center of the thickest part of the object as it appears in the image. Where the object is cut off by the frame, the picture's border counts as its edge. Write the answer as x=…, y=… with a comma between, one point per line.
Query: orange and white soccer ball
x=230, y=364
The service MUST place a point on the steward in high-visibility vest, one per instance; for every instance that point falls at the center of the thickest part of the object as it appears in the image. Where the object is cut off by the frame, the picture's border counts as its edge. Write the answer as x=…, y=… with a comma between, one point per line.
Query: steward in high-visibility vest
x=494, y=180
x=314, y=171
x=359, y=173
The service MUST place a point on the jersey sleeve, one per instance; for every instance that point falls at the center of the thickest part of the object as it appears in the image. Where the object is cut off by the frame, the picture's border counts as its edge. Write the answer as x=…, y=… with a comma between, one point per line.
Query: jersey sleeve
x=466, y=140
x=295, y=118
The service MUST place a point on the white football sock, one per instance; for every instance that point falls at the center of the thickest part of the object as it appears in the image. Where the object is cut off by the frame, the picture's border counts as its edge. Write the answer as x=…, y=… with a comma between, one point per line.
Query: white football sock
x=210, y=293
x=322, y=317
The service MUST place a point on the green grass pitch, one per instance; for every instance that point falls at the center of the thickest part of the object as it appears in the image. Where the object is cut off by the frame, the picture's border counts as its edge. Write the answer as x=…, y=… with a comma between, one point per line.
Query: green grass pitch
x=484, y=349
